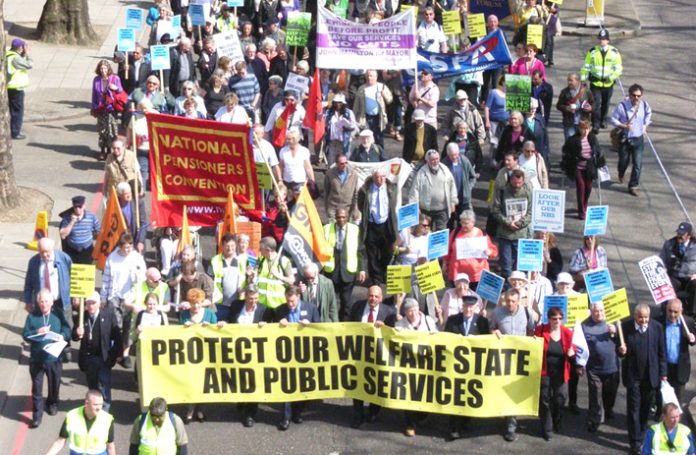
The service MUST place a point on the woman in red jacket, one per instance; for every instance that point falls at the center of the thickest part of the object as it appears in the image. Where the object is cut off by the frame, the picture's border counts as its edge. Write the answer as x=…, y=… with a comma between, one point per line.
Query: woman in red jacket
x=473, y=254
x=555, y=370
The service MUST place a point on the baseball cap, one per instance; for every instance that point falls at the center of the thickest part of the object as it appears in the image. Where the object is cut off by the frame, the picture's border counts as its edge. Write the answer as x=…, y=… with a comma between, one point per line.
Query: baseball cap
x=565, y=278
x=685, y=228
x=418, y=114
x=18, y=43
x=462, y=276
x=366, y=133
x=78, y=201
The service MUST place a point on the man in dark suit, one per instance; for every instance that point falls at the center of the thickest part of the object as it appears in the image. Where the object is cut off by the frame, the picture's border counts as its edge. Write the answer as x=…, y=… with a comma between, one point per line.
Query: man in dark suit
x=295, y=311
x=100, y=346
x=138, y=71
x=467, y=323
x=370, y=311
x=182, y=66
x=677, y=342
x=249, y=311
x=644, y=366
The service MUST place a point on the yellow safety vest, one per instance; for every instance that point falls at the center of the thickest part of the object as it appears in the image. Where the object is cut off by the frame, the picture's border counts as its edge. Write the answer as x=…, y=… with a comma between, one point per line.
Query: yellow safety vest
x=154, y=441
x=16, y=78
x=598, y=67
x=218, y=273
x=142, y=289
x=271, y=290
x=660, y=439
x=92, y=441
x=350, y=246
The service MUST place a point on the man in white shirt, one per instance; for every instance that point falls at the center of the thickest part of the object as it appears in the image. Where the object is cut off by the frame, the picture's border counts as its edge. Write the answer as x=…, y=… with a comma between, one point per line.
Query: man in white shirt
x=431, y=38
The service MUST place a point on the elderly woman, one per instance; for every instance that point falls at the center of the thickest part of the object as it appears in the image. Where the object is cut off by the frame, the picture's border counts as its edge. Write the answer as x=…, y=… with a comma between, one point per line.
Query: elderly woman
x=533, y=165
x=518, y=281
x=514, y=135
x=468, y=145
x=529, y=63
x=475, y=250
x=214, y=97
x=197, y=314
x=267, y=52
x=225, y=65
x=232, y=112
x=189, y=92
x=590, y=256
x=293, y=159
x=412, y=243
x=273, y=96
x=340, y=125
x=105, y=86
x=151, y=92
x=555, y=370
x=582, y=156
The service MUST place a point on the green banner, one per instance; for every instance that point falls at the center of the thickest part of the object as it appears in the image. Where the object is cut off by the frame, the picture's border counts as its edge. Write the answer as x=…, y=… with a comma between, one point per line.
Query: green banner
x=298, y=28
x=518, y=91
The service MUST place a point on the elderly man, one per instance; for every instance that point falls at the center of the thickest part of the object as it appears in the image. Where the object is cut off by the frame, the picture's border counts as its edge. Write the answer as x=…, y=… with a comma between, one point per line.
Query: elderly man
x=341, y=189
x=49, y=269
x=78, y=227
x=229, y=276
x=207, y=61
x=575, y=103
x=678, y=255
x=41, y=362
x=367, y=151
x=602, y=367
x=425, y=96
x=679, y=336
x=319, y=291
x=378, y=226
x=669, y=436
x=644, y=366
x=418, y=139
x=121, y=166
x=370, y=106
x=464, y=177
x=158, y=430
x=511, y=319
x=602, y=68
x=274, y=274
x=463, y=110
x=181, y=64
x=434, y=190
x=431, y=38
x=542, y=91
x=138, y=70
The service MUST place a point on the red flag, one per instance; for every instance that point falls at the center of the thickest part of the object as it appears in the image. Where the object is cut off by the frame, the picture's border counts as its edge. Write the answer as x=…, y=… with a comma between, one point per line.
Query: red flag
x=280, y=128
x=314, y=117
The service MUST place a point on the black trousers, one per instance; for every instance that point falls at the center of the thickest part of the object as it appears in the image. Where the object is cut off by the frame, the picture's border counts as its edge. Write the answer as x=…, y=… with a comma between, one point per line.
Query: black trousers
x=344, y=291
x=379, y=251
x=52, y=371
x=293, y=410
x=602, y=97
x=79, y=256
x=247, y=410
x=359, y=409
x=16, y=99
x=551, y=402
x=639, y=397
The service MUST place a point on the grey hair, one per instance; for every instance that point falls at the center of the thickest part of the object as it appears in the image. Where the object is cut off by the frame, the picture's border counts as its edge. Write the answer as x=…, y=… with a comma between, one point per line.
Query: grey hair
x=430, y=153
x=468, y=215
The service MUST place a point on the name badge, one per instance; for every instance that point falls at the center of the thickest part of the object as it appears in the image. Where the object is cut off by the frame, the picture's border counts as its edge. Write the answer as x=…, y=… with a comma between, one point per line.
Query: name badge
x=303, y=313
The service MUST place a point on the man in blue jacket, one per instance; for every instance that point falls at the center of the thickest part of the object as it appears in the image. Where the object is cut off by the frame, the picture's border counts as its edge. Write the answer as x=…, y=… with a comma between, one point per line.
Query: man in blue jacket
x=49, y=269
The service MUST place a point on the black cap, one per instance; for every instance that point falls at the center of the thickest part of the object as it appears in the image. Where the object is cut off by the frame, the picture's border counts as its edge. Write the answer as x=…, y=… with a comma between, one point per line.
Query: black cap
x=166, y=39
x=685, y=228
x=78, y=201
x=271, y=20
x=470, y=300
x=603, y=34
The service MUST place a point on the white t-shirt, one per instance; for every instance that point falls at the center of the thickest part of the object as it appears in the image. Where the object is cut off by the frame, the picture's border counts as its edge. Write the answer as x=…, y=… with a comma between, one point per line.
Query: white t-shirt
x=293, y=166
x=237, y=116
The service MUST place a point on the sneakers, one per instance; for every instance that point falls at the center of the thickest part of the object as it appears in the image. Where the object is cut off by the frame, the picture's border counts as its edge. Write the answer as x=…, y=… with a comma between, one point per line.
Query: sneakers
x=19, y=137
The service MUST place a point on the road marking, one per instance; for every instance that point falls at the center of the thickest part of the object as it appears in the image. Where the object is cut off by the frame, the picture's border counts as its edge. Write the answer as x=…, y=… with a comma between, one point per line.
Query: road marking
x=23, y=428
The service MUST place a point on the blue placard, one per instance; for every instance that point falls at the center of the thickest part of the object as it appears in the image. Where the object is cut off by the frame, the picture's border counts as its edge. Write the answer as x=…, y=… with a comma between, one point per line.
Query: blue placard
x=134, y=18
x=490, y=286
x=556, y=301
x=598, y=284
x=197, y=14
x=596, y=220
x=408, y=216
x=126, y=40
x=530, y=255
x=437, y=244
x=176, y=26
x=234, y=3
x=159, y=57
x=251, y=261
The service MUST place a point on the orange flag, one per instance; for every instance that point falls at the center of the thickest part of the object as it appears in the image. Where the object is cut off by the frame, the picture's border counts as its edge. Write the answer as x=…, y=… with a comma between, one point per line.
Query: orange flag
x=314, y=116
x=185, y=237
x=304, y=238
x=229, y=220
x=113, y=226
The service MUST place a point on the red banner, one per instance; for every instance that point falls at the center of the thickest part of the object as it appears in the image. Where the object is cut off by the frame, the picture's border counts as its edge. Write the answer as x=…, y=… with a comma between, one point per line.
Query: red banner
x=196, y=163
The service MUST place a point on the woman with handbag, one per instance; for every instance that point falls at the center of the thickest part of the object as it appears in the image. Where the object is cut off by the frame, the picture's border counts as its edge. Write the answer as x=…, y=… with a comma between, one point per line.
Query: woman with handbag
x=582, y=156
x=108, y=100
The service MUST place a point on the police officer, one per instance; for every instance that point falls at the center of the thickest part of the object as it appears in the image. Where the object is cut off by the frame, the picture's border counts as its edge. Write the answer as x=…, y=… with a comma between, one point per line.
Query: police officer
x=158, y=431
x=602, y=68
x=18, y=65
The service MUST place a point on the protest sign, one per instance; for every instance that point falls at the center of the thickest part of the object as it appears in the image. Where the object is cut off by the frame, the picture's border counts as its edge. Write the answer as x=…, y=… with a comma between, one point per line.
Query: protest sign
x=596, y=220
x=578, y=308
x=616, y=306
x=399, y=279
x=82, y=280
x=126, y=40
x=530, y=255
x=298, y=83
x=471, y=247
x=548, y=210
x=598, y=284
x=298, y=28
x=263, y=175
x=176, y=26
x=437, y=244
x=408, y=216
x=518, y=91
x=412, y=8
x=534, y=35
x=159, y=57
x=490, y=286
x=500, y=8
x=196, y=163
x=387, y=44
x=477, y=25
x=235, y=3
x=478, y=376
x=228, y=45
x=657, y=279
x=555, y=301
x=198, y=14
x=429, y=276
x=134, y=18
x=451, y=22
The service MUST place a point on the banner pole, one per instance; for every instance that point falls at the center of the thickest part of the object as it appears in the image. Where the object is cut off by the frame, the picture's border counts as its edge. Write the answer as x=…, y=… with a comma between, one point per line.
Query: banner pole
x=136, y=195
x=621, y=335
x=686, y=328
x=161, y=72
x=81, y=320
x=265, y=161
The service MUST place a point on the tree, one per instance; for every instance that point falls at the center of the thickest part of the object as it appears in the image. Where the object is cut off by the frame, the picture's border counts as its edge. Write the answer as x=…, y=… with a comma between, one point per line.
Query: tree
x=66, y=22
x=9, y=193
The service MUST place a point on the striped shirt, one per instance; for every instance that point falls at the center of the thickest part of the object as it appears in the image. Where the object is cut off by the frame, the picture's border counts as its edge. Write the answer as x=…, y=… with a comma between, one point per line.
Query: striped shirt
x=82, y=233
x=245, y=88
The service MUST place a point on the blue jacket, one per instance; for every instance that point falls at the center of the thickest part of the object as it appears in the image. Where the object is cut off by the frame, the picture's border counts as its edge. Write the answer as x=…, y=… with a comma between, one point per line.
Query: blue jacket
x=32, y=280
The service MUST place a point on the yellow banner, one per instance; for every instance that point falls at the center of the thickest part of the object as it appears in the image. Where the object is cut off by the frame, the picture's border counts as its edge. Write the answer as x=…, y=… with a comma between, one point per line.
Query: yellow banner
x=429, y=276
x=534, y=32
x=477, y=25
x=578, y=309
x=82, y=280
x=413, y=8
x=445, y=373
x=398, y=279
x=616, y=306
x=451, y=22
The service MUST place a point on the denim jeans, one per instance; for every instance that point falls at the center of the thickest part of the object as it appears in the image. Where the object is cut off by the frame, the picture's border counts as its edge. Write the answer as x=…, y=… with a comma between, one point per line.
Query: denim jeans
x=631, y=150
x=16, y=102
x=508, y=256
x=569, y=131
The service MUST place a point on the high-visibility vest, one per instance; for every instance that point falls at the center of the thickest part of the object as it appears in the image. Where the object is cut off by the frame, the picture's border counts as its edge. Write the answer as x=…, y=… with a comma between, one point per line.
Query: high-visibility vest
x=598, y=67
x=226, y=25
x=218, y=273
x=350, y=246
x=660, y=440
x=142, y=289
x=84, y=441
x=154, y=441
x=272, y=290
x=16, y=78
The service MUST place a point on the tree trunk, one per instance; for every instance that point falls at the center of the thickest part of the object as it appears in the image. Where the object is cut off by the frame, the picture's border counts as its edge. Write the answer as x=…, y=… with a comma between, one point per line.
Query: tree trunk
x=9, y=193
x=66, y=22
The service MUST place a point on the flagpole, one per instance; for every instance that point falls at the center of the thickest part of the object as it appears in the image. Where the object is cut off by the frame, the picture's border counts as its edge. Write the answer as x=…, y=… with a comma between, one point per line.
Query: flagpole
x=265, y=160
x=135, y=186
